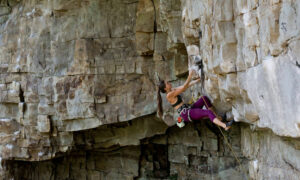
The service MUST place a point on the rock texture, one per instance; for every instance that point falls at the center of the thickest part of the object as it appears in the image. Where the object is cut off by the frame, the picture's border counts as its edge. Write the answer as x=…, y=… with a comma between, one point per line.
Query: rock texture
x=251, y=64
x=77, y=88
x=195, y=152
x=69, y=66
x=271, y=156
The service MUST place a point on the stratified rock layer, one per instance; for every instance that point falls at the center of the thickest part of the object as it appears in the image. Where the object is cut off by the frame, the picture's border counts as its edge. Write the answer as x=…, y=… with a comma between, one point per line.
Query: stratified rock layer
x=198, y=151
x=78, y=77
x=250, y=54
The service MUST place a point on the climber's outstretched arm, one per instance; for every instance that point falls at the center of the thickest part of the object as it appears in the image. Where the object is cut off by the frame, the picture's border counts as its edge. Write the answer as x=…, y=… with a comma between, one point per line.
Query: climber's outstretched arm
x=178, y=90
x=194, y=82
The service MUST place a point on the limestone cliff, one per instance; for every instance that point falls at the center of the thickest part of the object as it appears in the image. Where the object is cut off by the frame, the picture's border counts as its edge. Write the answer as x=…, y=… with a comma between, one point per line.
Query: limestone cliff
x=78, y=95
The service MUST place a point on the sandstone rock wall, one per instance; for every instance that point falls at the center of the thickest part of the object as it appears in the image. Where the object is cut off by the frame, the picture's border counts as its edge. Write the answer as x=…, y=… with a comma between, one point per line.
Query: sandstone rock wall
x=69, y=66
x=270, y=156
x=250, y=49
x=251, y=62
x=70, y=69
x=195, y=152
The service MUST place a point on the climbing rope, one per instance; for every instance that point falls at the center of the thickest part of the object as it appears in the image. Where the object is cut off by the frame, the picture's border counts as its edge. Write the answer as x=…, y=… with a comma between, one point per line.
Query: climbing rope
x=237, y=159
x=228, y=144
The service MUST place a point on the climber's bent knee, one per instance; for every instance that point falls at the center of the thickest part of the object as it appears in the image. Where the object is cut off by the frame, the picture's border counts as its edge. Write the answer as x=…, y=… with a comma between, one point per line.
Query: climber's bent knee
x=211, y=115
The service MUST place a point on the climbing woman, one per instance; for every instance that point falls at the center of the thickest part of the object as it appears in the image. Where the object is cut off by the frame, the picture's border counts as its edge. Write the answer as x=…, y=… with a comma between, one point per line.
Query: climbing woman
x=188, y=112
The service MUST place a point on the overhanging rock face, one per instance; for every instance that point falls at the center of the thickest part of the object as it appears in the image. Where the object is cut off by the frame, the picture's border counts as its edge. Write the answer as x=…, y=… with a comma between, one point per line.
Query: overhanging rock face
x=130, y=151
x=251, y=59
x=68, y=67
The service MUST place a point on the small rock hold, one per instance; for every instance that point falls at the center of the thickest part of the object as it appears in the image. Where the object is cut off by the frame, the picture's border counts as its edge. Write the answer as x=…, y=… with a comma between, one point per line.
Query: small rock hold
x=228, y=99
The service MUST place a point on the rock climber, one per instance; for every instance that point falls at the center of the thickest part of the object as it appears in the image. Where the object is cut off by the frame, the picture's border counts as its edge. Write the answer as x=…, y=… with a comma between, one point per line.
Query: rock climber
x=188, y=112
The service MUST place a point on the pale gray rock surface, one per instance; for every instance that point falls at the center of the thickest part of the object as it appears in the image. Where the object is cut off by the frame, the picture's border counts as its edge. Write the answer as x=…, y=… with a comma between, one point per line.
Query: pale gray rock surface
x=79, y=76
x=250, y=59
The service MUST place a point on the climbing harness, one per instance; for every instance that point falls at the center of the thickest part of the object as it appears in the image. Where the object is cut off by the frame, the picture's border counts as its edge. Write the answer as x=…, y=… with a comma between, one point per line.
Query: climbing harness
x=189, y=117
x=185, y=108
x=227, y=142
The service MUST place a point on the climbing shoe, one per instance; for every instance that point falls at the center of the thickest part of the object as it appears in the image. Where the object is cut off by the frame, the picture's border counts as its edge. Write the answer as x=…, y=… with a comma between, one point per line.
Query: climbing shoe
x=228, y=124
x=224, y=117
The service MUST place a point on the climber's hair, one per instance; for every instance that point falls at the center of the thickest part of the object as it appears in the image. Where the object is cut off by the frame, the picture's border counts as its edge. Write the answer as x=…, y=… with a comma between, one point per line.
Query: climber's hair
x=161, y=88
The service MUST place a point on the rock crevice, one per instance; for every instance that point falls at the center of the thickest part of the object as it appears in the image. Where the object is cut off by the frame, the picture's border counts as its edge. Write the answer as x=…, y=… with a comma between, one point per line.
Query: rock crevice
x=78, y=88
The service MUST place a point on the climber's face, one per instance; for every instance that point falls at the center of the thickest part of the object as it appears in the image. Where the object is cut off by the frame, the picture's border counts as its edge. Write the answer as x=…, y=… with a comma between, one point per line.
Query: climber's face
x=168, y=86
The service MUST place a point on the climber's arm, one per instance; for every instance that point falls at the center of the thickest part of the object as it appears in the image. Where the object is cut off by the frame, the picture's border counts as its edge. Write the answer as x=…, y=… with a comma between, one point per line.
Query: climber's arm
x=194, y=82
x=178, y=90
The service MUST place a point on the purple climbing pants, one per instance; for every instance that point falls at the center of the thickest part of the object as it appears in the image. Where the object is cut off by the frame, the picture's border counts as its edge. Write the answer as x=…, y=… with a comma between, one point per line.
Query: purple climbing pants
x=196, y=111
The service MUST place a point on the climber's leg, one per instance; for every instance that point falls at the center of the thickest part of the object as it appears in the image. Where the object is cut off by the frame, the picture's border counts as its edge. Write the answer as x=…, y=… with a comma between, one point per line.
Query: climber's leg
x=207, y=102
x=209, y=106
x=197, y=114
x=200, y=103
x=220, y=123
x=226, y=126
